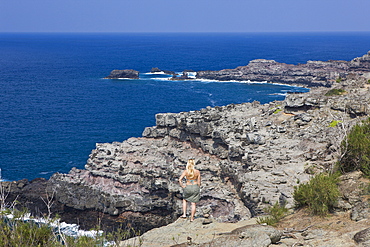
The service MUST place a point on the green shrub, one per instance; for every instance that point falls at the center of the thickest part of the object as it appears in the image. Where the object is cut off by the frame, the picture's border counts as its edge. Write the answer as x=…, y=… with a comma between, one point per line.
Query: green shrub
x=276, y=213
x=22, y=234
x=365, y=189
x=339, y=79
x=355, y=149
x=17, y=232
x=122, y=234
x=335, y=91
x=319, y=194
x=84, y=241
x=277, y=110
x=334, y=123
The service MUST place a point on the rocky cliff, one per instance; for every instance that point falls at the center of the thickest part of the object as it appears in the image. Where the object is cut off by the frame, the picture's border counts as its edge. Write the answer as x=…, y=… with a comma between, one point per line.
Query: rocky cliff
x=250, y=155
x=311, y=74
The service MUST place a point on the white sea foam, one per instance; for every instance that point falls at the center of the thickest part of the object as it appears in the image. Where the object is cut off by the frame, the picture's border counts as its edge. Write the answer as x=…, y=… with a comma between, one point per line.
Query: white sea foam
x=155, y=73
x=280, y=94
x=43, y=173
x=192, y=74
x=119, y=79
x=67, y=229
x=249, y=82
x=213, y=102
x=160, y=79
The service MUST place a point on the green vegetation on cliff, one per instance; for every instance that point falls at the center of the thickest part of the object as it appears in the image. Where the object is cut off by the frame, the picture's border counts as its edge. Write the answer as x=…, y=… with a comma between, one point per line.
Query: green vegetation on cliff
x=339, y=79
x=334, y=123
x=20, y=233
x=319, y=194
x=335, y=91
x=23, y=232
x=276, y=213
x=355, y=149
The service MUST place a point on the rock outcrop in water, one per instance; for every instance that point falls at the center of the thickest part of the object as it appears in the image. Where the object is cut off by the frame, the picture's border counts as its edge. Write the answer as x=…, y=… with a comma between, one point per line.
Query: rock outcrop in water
x=157, y=70
x=311, y=74
x=123, y=74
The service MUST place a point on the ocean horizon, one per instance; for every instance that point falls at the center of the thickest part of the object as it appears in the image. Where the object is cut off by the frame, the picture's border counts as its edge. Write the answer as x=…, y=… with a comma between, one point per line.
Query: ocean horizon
x=55, y=105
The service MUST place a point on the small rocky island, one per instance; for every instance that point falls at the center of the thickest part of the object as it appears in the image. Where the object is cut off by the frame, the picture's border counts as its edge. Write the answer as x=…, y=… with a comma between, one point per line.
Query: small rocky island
x=250, y=155
x=123, y=74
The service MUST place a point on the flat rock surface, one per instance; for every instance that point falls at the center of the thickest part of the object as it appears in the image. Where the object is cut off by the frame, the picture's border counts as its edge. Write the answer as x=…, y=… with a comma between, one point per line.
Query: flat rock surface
x=301, y=229
x=179, y=231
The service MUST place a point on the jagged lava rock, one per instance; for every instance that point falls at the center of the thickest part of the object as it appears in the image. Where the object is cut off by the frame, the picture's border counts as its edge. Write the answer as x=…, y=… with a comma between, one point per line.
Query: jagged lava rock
x=141, y=175
x=249, y=155
x=157, y=70
x=266, y=149
x=123, y=74
x=311, y=74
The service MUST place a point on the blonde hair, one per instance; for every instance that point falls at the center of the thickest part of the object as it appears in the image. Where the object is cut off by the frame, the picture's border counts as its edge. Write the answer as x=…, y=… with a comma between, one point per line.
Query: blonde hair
x=190, y=168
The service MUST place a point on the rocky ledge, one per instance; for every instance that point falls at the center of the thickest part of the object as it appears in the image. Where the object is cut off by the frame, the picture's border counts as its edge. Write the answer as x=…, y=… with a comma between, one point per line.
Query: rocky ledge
x=311, y=74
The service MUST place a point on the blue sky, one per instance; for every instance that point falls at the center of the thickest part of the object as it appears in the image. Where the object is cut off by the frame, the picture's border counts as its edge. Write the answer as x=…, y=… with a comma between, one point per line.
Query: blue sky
x=184, y=15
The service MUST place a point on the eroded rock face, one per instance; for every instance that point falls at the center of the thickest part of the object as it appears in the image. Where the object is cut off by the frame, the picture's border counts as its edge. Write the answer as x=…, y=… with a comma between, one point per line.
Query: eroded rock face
x=361, y=64
x=141, y=175
x=311, y=74
x=363, y=237
x=266, y=149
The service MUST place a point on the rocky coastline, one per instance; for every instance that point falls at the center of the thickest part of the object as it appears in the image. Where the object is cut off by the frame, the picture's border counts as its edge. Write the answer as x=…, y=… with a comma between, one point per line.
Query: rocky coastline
x=250, y=155
x=311, y=74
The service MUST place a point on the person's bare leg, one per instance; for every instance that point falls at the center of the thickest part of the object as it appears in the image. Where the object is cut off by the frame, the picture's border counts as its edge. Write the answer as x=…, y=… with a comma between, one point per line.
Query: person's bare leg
x=193, y=208
x=184, y=205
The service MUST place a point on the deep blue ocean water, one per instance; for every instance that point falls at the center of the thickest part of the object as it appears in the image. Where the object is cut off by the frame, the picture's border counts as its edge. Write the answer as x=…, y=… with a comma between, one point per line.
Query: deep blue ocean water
x=54, y=104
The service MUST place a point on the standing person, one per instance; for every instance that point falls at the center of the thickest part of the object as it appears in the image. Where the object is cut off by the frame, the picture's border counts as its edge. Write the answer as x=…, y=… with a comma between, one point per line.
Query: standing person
x=191, y=188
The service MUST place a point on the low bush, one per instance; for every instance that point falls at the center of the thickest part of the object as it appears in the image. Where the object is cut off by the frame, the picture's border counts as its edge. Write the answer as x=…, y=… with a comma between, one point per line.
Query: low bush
x=276, y=213
x=355, y=149
x=318, y=195
x=123, y=233
x=335, y=91
x=277, y=110
x=15, y=231
x=334, y=123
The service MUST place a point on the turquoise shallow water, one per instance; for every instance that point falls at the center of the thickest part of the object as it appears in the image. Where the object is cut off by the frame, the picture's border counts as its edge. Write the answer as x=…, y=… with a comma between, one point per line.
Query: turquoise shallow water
x=54, y=104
